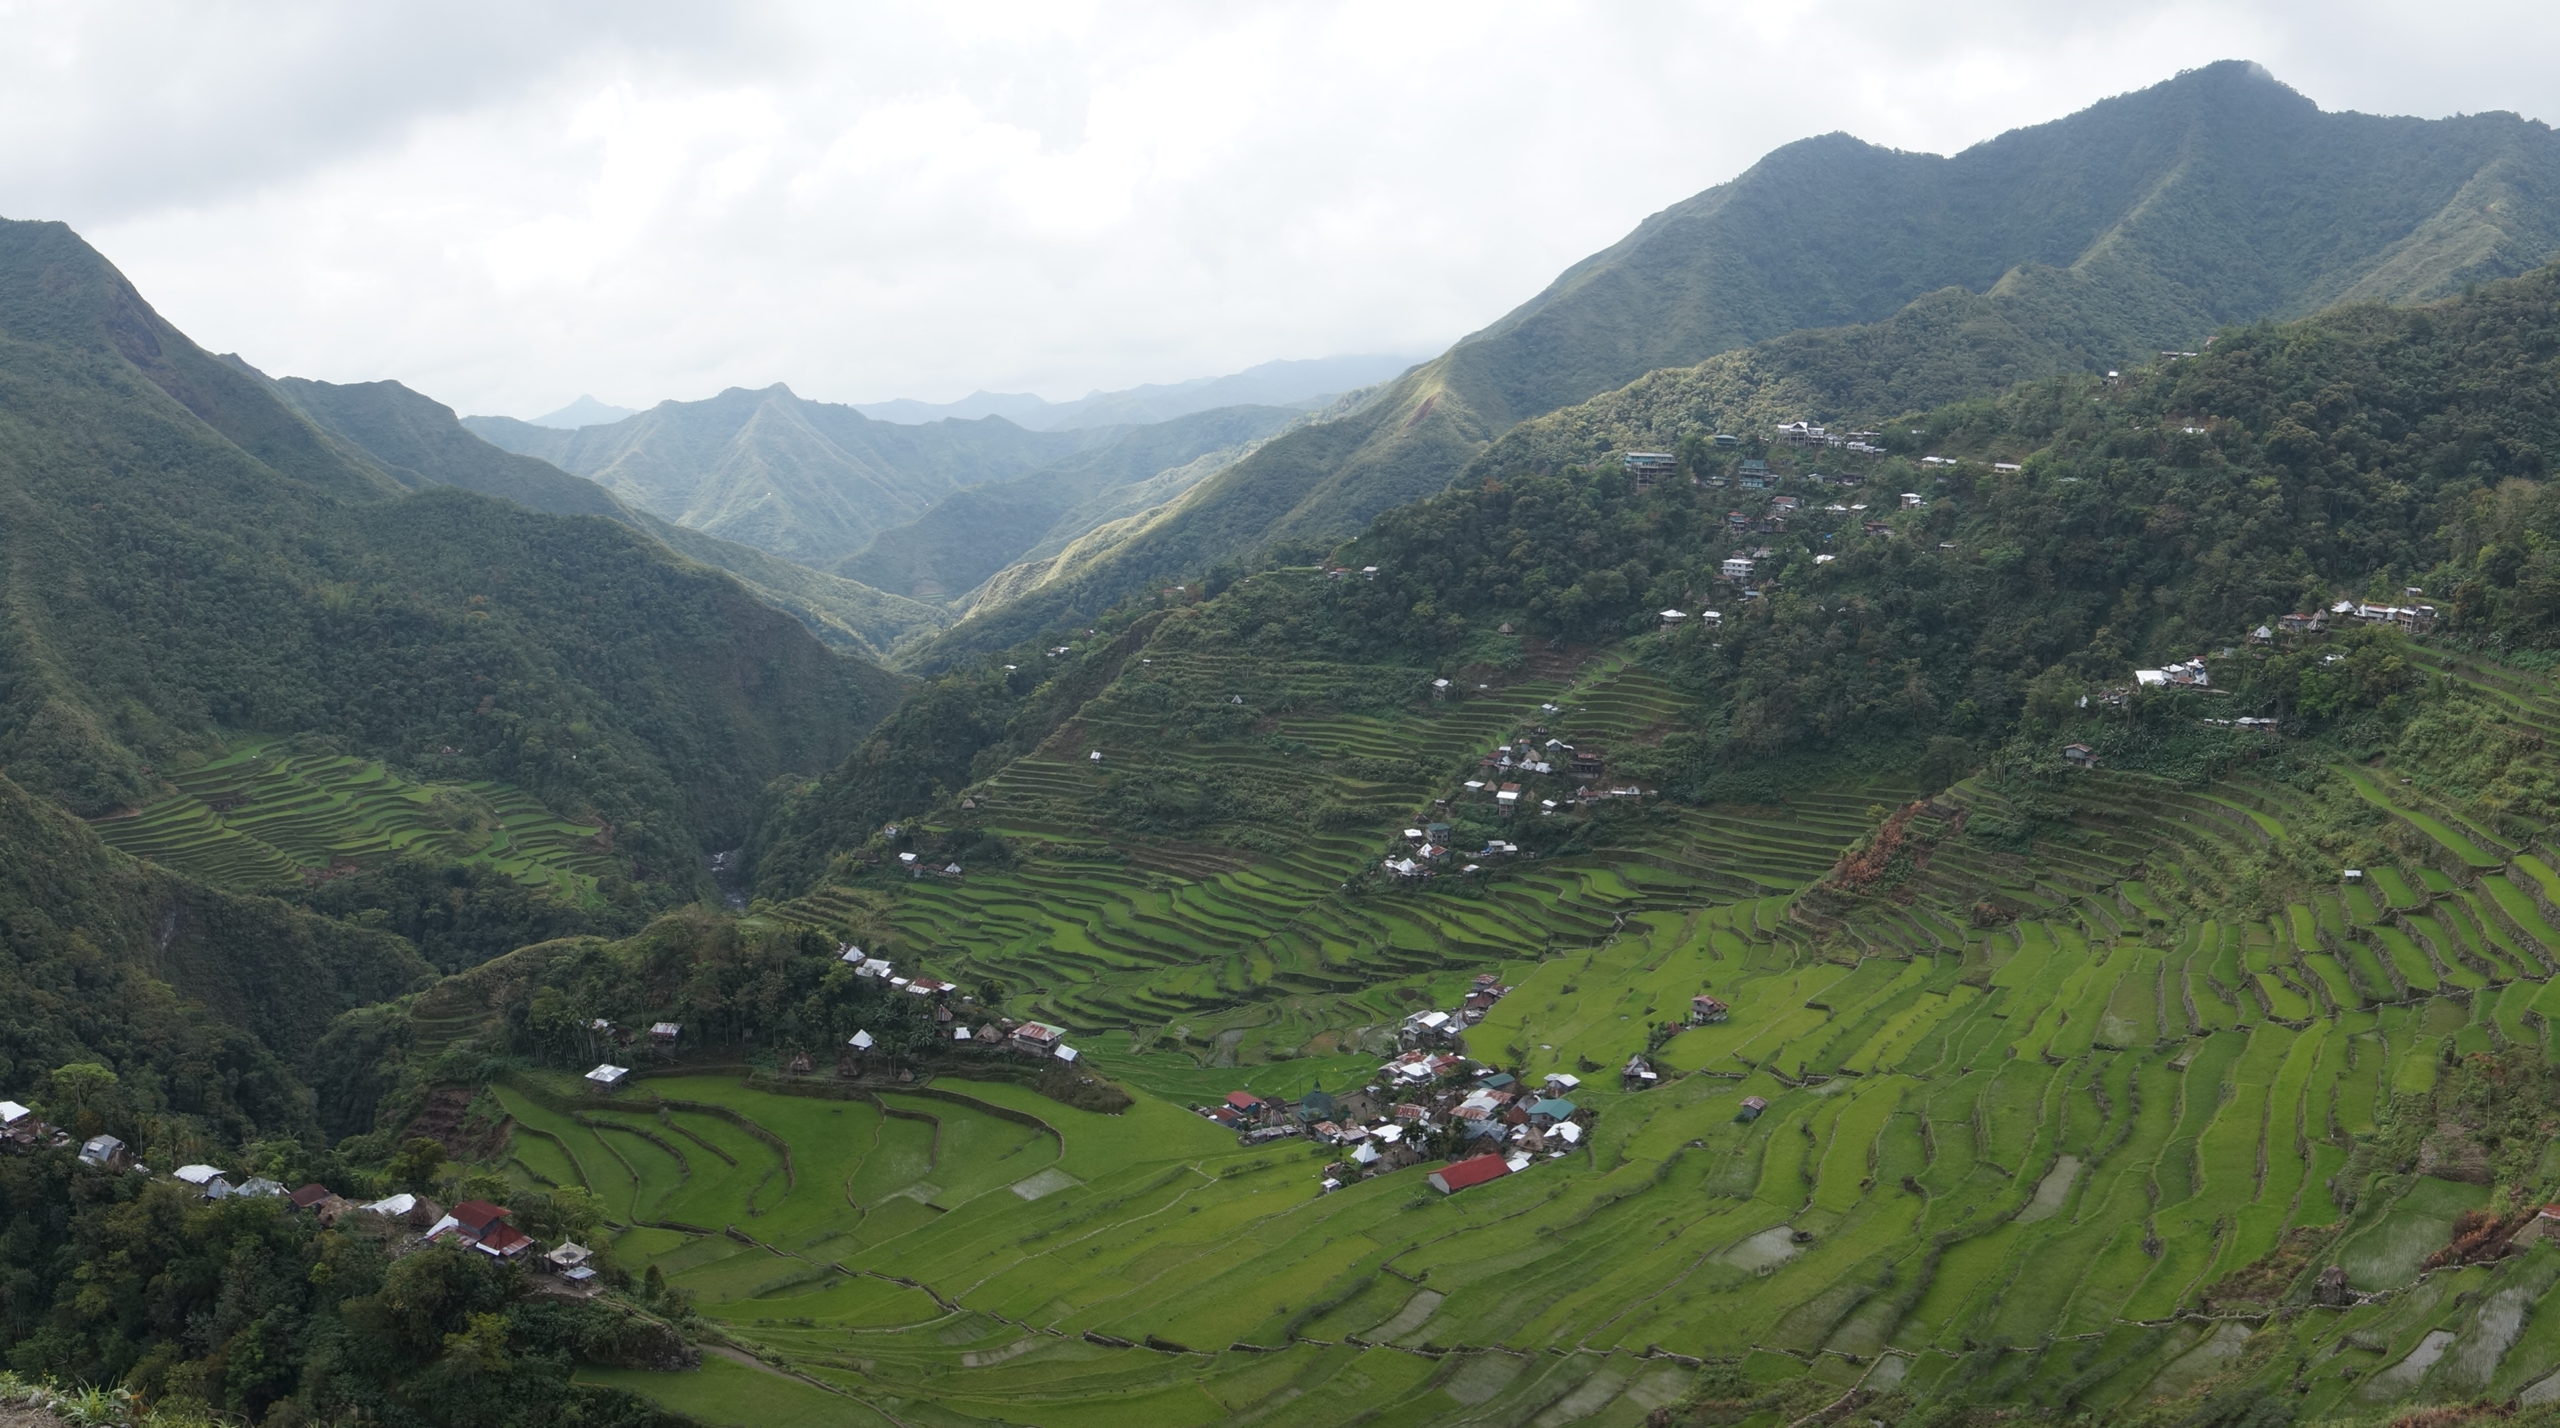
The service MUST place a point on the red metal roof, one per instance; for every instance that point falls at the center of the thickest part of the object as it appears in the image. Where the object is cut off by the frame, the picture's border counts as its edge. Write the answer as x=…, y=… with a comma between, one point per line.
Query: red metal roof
x=1243, y=1100
x=477, y=1215
x=503, y=1240
x=1458, y=1175
x=310, y=1195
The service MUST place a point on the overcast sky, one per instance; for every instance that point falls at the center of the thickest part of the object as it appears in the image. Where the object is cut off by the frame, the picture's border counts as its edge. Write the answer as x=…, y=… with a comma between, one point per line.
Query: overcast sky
x=507, y=204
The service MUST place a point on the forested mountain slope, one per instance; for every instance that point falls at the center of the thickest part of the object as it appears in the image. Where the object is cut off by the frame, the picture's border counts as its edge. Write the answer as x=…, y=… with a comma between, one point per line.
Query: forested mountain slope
x=201, y=1002
x=947, y=552
x=1302, y=384
x=2142, y=223
x=420, y=442
x=827, y=487
x=809, y=481
x=185, y=554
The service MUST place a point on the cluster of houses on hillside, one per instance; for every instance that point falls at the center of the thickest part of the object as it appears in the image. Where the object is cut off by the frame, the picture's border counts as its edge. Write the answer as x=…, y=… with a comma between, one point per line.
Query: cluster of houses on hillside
x=1529, y=756
x=1802, y=433
x=956, y=1016
x=474, y=1225
x=1431, y=1091
x=2192, y=674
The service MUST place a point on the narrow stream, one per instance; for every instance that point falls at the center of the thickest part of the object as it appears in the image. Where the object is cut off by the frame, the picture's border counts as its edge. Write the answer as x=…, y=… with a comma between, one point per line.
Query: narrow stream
x=728, y=870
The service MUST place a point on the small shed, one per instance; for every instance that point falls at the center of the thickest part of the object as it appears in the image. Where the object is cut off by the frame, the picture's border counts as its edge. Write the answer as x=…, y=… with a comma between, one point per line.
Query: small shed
x=665, y=1032
x=1752, y=1106
x=608, y=1076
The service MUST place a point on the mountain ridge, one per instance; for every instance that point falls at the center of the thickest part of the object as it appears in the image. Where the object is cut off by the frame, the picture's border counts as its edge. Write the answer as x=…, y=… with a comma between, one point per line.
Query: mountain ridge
x=2274, y=207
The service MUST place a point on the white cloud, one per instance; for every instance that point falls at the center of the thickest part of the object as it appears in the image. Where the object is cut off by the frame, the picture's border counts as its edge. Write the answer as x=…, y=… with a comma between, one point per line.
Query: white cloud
x=507, y=205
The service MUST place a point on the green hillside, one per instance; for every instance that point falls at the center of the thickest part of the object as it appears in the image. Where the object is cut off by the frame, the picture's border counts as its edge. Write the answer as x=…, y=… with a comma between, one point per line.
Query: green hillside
x=949, y=551
x=2143, y=223
x=265, y=816
x=186, y=555
x=809, y=481
x=203, y=1003
x=421, y=443
x=2129, y=1020
x=2284, y=1120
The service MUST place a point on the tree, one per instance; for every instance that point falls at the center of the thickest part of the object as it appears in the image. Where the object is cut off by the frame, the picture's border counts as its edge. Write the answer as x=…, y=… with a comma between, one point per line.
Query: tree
x=413, y=1167
x=87, y=1097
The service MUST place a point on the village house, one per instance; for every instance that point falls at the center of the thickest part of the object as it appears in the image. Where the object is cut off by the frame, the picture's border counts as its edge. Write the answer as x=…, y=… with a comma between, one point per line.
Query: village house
x=1465, y=1174
x=1914, y=501
x=665, y=1033
x=1736, y=567
x=206, y=1178
x=1670, y=619
x=608, y=1077
x=1752, y=1106
x=18, y=1126
x=405, y=1209
x=1875, y=528
x=105, y=1152
x=1784, y=505
x=1637, y=1074
x=1648, y=467
x=1705, y=1010
x=2080, y=756
x=1753, y=474
x=1427, y=1026
x=480, y=1225
x=1038, y=1038
x=2309, y=624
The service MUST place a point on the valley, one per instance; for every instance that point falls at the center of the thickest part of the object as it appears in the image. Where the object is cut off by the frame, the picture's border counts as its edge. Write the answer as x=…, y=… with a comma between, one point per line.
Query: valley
x=1922, y=793
x=2095, y=1071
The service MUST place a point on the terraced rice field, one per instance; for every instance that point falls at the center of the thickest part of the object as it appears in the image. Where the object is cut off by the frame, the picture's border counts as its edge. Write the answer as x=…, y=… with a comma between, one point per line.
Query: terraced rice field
x=263, y=816
x=1246, y=952
x=2013, y=1150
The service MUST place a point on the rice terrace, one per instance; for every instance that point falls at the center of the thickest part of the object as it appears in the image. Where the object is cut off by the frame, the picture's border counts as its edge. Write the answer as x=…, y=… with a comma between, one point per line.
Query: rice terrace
x=1920, y=793
x=2012, y=1051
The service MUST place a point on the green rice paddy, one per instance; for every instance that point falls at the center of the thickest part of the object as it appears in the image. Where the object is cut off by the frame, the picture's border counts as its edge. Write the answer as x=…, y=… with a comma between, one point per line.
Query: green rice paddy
x=2015, y=1152
x=262, y=816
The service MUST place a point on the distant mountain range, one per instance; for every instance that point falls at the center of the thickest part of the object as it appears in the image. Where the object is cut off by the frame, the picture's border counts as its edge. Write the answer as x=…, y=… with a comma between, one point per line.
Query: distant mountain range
x=1305, y=385
x=1853, y=281
x=820, y=483
x=585, y=411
